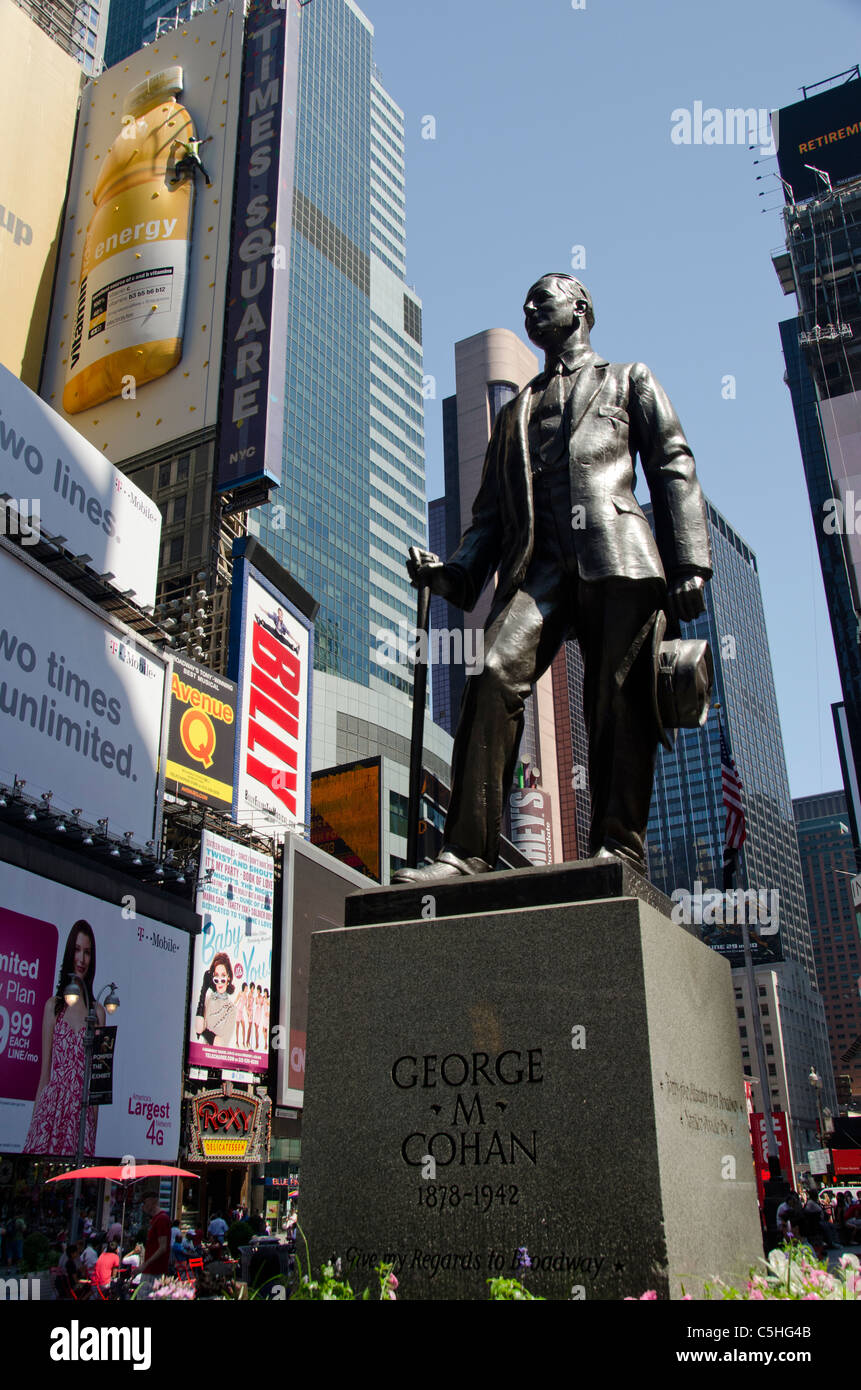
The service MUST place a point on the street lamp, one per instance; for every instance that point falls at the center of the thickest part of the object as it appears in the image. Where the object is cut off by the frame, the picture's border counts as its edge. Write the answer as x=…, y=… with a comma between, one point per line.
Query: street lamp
x=816, y=1082
x=72, y=994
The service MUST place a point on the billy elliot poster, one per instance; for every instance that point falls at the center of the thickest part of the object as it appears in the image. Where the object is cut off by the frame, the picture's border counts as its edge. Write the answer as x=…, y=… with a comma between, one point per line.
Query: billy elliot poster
x=231, y=978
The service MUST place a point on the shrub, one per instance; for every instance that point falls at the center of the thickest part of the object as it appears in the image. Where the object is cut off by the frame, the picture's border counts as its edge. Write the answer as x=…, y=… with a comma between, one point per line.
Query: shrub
x=240, y=1233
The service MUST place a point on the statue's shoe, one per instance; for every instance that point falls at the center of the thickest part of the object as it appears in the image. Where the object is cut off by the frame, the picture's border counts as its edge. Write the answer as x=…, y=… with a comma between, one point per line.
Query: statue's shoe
x=638, y=865
x=447, y=865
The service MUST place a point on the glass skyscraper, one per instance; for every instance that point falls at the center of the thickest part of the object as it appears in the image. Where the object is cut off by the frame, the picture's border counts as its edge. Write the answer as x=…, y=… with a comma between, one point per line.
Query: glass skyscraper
x=132, y=23
x=352, y=498
x=687, y=818
x=685, y=837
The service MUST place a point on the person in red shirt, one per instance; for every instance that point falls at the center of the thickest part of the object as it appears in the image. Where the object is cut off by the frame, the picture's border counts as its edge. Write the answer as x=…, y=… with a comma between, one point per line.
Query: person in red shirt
x=107, y=1262
x=156, y=1259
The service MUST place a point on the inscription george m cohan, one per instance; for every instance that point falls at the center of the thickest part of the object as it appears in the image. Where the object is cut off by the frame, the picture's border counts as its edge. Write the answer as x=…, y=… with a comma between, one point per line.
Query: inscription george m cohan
x=457, y=1081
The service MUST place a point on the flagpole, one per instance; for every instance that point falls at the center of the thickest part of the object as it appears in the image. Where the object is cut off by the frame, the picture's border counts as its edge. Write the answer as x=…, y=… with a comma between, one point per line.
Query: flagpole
x=776, y=1188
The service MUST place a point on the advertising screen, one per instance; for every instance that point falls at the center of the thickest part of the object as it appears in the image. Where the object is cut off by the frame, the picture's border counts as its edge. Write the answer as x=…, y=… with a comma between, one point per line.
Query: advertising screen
x=825, y=131
x=345, y=814
x=273, y=766
x=201, y=735
x=80, y=703
x=840, y=418
x=136, y=335
x=77, y=492
x=33, y=189
x=316, y=887
x=531, y=825
x=48, y=933
x=232, y=970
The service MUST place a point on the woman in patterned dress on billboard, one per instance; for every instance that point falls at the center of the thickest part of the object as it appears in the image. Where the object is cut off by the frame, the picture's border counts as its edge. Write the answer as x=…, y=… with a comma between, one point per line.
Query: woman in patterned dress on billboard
x=56, y=1114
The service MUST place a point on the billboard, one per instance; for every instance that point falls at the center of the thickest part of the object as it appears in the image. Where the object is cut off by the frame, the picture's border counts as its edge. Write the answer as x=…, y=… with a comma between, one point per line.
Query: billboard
x=79, y=495
x=34, y=187
x=201, y=735
x=48, y=932
x=841, y=431
x=345, y=814
x=136, y=334
x=272, y=656
x=531, y=824
x=759, y=1140
x=228, y=1127
x=825, y=131
x=81, y=701
x=232, y=970
x=251, y=438
x=316, y=887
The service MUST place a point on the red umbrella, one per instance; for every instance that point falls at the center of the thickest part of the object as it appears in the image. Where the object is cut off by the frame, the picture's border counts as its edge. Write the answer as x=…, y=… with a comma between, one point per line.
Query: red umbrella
x=120, y=1173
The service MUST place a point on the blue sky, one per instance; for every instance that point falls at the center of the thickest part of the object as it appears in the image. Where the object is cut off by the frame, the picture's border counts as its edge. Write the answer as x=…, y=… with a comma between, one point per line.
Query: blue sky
x=553, y=131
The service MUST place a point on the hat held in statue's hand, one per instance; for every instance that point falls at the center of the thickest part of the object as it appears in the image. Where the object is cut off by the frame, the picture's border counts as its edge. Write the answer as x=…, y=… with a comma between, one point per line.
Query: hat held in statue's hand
x=684, y=682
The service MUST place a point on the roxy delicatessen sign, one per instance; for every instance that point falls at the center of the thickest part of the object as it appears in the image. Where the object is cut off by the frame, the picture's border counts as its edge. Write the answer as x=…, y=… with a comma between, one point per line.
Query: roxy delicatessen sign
x=227, y=1127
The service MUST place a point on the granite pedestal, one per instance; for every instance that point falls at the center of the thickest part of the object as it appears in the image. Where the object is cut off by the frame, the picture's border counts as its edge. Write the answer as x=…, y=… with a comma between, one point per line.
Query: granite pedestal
x=554, y=1074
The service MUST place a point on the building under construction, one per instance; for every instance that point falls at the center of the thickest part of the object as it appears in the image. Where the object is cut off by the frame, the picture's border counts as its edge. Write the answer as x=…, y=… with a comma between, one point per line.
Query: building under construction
x=819, y=156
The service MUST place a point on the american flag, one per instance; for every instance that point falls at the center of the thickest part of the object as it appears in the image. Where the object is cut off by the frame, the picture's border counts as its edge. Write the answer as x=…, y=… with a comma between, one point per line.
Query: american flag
x=736, y=829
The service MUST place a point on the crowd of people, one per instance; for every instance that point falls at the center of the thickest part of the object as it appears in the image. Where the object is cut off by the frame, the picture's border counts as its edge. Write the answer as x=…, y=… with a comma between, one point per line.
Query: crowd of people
x=826, y=1222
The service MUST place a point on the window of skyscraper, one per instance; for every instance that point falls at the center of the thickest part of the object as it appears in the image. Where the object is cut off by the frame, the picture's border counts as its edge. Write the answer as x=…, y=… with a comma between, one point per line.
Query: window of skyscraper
x=498, y=394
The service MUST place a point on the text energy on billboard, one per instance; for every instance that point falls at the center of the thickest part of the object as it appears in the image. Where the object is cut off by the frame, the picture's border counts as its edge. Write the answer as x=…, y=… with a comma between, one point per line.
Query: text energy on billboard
x=50, y=934
x=146, y=242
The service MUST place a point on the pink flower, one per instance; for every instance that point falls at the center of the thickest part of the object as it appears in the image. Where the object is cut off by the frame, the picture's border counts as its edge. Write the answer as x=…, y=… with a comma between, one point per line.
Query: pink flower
x=757, y=1296
x=649, y=1294
x=393, y=1281
x=808, y=1296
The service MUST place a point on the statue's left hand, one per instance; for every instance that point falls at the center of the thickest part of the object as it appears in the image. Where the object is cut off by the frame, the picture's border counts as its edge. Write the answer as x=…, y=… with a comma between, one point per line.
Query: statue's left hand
x=687, y=599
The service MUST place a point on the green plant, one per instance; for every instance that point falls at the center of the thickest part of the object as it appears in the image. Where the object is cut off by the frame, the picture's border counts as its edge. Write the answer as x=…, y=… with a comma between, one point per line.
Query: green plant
x=511, y=1289
x=793, y=1272
x=327, y=1287
x=37, y=1253
x=240, y=1233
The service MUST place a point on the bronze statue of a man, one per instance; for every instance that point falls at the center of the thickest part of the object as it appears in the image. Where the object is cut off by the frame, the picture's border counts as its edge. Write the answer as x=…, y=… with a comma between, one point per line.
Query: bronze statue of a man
x=557, y=521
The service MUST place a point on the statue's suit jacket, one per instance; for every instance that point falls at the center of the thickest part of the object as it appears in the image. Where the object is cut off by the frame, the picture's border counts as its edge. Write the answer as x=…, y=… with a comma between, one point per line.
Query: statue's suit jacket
x=615, y=412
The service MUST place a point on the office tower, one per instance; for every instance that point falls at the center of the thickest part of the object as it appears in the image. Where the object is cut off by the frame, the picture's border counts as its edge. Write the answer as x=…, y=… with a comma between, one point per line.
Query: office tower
x=819, y=155
x=79, y=29
x=352, y=498
x=132, y=23
x=572, y=751
x=828, y=864
x=491, y=368
x=686, y=822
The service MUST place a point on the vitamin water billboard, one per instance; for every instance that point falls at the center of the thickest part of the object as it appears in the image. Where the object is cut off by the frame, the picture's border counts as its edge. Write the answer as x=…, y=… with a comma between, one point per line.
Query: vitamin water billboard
x=136, y=335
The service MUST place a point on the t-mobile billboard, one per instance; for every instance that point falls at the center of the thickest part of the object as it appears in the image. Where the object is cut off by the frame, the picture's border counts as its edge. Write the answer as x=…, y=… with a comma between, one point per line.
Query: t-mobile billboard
x=50, y=933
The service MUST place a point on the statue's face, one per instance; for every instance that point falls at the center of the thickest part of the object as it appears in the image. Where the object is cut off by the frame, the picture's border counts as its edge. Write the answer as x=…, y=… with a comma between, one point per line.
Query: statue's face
x=549, y=312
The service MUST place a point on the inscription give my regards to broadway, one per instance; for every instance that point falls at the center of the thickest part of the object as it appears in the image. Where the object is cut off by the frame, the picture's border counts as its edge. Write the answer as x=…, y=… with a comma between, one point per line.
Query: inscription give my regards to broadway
x=467, y=1136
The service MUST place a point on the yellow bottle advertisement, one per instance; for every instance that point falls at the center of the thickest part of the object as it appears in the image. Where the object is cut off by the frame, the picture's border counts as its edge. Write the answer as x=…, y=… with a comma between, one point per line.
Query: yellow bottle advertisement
x=130, y=309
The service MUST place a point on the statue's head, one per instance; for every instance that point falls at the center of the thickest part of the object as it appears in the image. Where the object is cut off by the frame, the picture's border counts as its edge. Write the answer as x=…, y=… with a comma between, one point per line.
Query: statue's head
x=553, y=308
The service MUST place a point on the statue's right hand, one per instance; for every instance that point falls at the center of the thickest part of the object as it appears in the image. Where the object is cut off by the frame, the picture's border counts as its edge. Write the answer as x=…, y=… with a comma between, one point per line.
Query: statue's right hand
x=427, y=569
x=422, y=566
